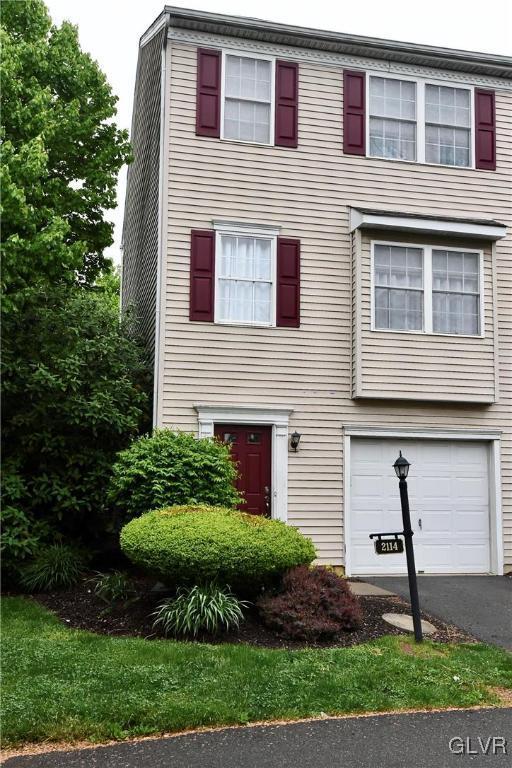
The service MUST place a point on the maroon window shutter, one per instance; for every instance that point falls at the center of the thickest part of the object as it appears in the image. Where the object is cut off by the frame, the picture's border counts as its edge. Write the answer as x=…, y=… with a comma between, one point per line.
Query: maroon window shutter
x=208, y=93
x=288, y=282
x=287, y=104
x=485, y=130
x=354, y=127
x=202, y=275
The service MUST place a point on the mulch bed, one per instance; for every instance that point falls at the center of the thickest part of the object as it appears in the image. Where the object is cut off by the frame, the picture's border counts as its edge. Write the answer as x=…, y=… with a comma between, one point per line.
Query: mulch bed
x=81, y=609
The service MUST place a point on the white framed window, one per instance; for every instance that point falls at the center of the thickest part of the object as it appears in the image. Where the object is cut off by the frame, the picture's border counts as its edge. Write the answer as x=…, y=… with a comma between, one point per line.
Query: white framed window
x=245, y=275
x=392, y=118
x=426, y=289
x=247, y=105
x=447, y=125
x=456, y=292
x=398, y=276
x=421, y=120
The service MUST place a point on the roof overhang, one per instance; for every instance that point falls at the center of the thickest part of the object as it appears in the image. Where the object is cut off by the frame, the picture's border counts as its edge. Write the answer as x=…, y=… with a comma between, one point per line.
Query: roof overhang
x=483, y=229
x=492, y=65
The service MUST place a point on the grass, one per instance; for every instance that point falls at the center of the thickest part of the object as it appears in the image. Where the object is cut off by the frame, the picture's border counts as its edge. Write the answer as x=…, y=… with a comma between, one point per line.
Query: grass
x=64, y=684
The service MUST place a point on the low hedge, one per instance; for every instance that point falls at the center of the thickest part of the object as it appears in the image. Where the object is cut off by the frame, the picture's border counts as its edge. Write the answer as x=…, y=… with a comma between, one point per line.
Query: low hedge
x=195, y=544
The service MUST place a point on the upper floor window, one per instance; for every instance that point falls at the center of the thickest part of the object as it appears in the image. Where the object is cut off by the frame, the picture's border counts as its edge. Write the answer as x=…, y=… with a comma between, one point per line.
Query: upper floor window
x=392, y=118
x=245, y=279
x=419, y=121
x=422, y=288
x=447, y=125
x=247, y=103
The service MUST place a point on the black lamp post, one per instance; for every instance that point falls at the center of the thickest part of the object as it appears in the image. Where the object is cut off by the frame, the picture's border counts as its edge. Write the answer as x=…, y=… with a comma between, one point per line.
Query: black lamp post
x=401, y=466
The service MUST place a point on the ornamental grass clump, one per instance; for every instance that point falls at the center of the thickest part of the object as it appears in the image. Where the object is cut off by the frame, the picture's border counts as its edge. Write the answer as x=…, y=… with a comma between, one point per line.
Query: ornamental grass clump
x=207, y=608
x=57, y=566
x=187, y=545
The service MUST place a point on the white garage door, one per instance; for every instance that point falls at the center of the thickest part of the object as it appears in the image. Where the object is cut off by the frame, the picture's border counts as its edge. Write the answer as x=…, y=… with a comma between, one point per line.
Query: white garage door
x=449, y=500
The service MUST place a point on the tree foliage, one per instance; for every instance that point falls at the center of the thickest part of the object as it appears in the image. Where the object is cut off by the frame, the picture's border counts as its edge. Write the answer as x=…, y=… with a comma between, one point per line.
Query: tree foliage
x=61, y=154
x=74, y=394
x=73, y=379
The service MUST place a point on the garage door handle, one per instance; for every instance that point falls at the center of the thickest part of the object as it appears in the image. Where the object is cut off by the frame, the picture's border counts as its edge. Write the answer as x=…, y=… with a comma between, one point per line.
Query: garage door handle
x=419, y=523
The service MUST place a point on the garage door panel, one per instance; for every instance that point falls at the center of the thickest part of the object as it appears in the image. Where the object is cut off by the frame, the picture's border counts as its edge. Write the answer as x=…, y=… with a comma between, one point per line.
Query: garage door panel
x=448, y=490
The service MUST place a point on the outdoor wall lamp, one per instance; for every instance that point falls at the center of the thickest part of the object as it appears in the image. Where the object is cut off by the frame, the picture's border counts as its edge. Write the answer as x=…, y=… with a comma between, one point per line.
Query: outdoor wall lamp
x=401, y=466
x=295, y=440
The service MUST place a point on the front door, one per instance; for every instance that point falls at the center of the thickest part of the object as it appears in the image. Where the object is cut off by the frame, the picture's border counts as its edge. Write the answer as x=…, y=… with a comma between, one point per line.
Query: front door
x=251, y=450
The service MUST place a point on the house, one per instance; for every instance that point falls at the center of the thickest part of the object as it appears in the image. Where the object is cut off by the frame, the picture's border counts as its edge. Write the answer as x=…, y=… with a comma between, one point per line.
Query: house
x=316, y=244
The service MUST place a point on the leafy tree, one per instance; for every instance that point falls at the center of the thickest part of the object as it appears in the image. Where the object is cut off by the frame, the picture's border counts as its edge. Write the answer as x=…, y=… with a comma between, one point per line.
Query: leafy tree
x=73, y=380
x=74, y=394
x=61, y=155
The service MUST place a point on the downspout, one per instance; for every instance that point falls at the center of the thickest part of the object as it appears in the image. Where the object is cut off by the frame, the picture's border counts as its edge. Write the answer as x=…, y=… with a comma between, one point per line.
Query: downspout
x=162, y=178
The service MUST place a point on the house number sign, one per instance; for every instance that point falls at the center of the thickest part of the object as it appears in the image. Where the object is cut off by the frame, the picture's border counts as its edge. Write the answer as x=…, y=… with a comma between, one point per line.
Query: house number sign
x=389, y=546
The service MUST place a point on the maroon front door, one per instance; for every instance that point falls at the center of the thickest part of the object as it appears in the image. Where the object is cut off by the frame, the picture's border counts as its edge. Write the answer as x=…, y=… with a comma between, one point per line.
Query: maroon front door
x=250, y=448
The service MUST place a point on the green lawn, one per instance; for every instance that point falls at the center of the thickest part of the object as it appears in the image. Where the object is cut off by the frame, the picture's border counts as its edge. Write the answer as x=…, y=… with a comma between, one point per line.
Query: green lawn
x=63, y=684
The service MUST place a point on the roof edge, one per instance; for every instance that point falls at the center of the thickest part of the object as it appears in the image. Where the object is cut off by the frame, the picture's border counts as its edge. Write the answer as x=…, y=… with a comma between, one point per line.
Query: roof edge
x=494, y=65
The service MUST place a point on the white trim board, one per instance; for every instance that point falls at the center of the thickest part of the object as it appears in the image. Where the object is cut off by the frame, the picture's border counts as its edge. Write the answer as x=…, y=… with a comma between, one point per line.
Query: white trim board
x=492, y=437
x=324, y=58
x=278, y=419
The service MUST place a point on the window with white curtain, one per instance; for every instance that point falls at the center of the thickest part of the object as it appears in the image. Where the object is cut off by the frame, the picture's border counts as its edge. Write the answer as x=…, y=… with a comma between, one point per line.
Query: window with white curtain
x=245, y=278
x=418, y=120
x=456, y=292
x=447, y=125
x=427, y=289
x=392, y=118
x=398, y=277
x=247, y=99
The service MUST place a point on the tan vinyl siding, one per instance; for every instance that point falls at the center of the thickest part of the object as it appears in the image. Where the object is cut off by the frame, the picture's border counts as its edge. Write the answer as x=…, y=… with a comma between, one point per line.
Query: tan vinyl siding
x=412, y=366
x=307, y=192
x=140, y=232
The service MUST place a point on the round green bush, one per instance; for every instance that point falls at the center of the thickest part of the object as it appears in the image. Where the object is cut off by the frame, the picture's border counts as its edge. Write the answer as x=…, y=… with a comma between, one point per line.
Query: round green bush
x=196, y=544
x=168, y=468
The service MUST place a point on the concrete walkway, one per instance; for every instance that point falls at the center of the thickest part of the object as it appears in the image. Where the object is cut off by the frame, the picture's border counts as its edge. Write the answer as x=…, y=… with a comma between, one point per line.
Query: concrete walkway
x=481, y=605
x=421, y=740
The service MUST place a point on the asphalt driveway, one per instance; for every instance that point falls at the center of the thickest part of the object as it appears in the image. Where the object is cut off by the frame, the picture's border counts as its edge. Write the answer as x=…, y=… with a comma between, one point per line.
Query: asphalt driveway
x=424, y=740
x=481, y=605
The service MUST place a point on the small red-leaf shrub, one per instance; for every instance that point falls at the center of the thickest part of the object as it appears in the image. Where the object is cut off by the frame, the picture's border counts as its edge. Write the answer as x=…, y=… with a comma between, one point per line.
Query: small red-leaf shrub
x=313, y=604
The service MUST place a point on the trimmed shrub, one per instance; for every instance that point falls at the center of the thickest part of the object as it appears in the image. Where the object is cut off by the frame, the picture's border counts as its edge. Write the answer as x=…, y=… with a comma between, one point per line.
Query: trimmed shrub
x=57, y=566
x=197, y=544
x=169, y=468
x=314, y=604
x=208, y=608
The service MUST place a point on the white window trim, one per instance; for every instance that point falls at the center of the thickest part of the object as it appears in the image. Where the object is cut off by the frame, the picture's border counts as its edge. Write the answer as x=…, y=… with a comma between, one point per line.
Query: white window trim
x=247, y=230
x=427, y=289
x=278, y=419
x=249, y=55
x=495, y=511
x=421, y=82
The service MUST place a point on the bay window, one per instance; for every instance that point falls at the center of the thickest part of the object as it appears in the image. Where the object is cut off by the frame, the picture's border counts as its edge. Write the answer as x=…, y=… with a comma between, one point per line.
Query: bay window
x=426, y=289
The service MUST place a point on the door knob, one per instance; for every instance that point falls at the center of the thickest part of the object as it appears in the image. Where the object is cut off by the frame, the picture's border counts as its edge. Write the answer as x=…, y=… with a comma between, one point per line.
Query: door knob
x=420, y=525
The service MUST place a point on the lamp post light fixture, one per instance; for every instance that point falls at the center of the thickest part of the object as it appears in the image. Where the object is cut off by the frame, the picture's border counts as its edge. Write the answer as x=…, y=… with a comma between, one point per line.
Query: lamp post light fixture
x=401, y=467
x=295, y=440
